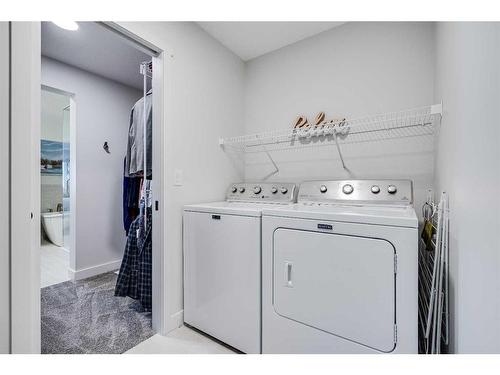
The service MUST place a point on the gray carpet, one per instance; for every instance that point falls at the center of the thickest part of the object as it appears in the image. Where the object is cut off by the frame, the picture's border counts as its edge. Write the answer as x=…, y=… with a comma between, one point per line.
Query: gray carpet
x=85, y=317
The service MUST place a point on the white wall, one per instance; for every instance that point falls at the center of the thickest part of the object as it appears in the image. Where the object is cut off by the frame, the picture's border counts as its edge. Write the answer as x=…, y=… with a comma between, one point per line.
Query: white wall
x=51, y=192
x=53, y=105
x=203, y=101
x=353, y=70
x=4, y=192
x=102, y=114
x=467, y=167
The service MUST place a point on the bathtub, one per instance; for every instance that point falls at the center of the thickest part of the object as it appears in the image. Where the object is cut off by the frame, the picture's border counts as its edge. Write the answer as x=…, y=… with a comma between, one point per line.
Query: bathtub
x=53, y=225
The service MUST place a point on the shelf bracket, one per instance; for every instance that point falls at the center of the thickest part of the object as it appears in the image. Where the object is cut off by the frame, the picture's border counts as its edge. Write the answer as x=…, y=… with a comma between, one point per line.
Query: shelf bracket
x=339, y=151
x=276, y=169
x=437, y=109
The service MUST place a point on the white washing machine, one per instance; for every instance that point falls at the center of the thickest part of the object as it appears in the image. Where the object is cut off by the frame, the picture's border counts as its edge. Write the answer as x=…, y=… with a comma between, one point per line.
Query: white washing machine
x=222, y=262
x=340, y=270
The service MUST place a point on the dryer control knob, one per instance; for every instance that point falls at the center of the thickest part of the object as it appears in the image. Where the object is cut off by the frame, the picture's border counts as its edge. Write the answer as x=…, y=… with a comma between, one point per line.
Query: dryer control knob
x=323, y=188
x=257, y=189
x=284, y=190
x=234, y=189
x=375, y=189
x=242, y=189
x=391, y=189
x=347, y=189
x=274, y=190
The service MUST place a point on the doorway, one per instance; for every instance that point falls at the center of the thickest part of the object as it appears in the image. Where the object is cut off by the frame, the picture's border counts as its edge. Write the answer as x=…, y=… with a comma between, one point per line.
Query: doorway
x=105, y=303
x=55, y=177
x=26, y=219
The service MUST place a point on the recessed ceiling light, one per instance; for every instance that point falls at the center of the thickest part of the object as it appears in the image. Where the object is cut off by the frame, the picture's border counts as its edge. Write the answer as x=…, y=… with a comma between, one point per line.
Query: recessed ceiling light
x=66, y=25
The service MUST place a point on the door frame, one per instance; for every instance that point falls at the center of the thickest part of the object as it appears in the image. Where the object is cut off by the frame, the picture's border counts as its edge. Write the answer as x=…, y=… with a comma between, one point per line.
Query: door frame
x=72, y=158
x=25, y=183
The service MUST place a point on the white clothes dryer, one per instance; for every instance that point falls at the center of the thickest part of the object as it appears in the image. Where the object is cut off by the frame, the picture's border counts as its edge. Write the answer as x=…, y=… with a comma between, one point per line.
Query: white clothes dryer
x=222, y=262
x=340, y=270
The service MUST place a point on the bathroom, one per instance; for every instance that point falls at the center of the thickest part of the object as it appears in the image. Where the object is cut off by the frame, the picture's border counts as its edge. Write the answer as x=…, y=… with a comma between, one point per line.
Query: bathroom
x=55, y=186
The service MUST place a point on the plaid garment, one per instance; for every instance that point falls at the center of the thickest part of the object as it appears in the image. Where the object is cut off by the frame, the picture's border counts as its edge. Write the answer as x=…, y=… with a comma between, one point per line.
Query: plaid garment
x=135, y=277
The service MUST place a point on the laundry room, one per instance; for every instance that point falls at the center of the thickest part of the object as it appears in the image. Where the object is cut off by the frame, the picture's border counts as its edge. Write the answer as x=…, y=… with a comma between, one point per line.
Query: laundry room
x=380, y=97
x=310, y=115
x=257, y=187
x=361, y=109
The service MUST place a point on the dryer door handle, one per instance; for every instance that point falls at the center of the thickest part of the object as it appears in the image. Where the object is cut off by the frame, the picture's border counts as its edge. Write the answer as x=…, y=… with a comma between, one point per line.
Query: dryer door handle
x=288, y=274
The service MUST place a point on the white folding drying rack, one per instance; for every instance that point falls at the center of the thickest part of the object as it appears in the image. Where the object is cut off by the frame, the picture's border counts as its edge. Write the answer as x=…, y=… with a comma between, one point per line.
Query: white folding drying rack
x=433, y=280
x=415, y=122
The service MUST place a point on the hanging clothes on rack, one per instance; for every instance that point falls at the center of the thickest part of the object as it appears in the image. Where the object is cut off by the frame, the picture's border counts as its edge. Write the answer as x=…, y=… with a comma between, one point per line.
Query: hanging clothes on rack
x=131, y=197
x=135, y=276
x=148, y=194
x=135, y=147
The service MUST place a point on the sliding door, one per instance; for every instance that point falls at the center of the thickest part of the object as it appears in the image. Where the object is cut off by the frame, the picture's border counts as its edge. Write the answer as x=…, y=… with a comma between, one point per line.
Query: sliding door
x=25, y=187
x=4, y=191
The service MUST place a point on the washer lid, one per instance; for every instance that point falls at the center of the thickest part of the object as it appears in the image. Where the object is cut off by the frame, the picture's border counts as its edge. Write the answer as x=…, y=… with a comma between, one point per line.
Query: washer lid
x=233, y=208
x=378, y=215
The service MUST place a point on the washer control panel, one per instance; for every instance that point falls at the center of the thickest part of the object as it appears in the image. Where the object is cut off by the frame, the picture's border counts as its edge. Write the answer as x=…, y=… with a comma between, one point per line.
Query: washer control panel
x=398, y=192
x=266, y=192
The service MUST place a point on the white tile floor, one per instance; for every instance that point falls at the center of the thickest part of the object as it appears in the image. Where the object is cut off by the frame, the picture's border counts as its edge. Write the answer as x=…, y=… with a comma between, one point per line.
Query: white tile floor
x=54, y=263
x=183, y=340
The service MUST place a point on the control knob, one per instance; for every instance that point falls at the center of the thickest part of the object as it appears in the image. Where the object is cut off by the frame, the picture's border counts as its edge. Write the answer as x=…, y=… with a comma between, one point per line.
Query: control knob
x=284, y=190
x=234, y=189
x=242, y=189
x=391, y=189
x=274, y=190
x=257, y=189
x=323, y=188
x=375, y=189
x=347, y=189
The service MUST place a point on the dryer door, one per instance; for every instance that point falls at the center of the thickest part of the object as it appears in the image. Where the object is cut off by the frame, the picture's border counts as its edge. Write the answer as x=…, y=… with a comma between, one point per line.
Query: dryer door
x=342, y=285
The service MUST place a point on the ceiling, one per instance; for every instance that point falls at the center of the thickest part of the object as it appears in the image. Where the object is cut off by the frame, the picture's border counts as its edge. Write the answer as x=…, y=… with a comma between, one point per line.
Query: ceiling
x=252, y=39
x=95, y=49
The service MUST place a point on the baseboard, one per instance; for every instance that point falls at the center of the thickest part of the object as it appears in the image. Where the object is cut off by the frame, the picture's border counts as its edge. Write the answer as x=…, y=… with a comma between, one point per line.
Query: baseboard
x=94, y=270
x=178, y=318
x=175, y=321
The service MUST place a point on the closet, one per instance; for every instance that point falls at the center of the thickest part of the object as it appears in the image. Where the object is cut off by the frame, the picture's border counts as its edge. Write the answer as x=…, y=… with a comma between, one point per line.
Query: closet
x=135, y=275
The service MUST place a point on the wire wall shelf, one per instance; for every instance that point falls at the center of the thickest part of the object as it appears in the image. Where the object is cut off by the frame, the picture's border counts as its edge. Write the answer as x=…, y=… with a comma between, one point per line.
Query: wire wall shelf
x=417, y=122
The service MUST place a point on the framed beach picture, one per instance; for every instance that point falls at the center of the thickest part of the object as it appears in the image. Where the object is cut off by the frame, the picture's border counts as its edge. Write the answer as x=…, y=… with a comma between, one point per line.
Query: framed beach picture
x=51, y=161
